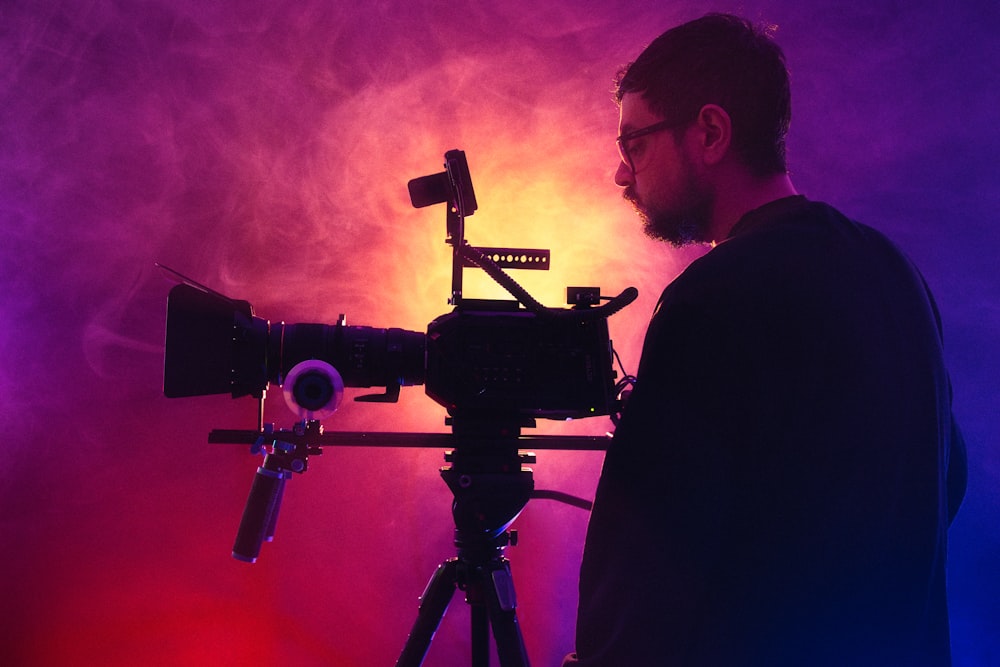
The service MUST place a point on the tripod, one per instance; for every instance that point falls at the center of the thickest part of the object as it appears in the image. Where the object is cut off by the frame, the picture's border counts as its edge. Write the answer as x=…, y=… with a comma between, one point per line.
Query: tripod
x=490, y=487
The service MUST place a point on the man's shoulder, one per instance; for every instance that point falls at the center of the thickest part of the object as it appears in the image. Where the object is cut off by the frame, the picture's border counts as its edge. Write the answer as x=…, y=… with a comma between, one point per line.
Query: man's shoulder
x=787, y=246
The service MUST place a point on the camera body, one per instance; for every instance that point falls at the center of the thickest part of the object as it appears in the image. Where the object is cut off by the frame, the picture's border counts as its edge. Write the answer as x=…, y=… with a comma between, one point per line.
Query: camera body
x=495, y=358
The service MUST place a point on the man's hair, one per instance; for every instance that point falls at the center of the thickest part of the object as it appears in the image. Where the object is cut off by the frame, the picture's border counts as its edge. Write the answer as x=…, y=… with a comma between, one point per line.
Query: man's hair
x=725, y=60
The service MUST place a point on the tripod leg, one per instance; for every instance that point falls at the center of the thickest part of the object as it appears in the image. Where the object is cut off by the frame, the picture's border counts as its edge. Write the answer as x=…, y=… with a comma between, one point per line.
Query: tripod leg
x=433, y=604
x=480, y=622
x=501, y=602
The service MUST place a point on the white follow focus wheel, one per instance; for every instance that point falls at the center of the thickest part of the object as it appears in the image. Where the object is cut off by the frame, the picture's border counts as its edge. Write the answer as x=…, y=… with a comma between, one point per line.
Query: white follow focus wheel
x=313, y=389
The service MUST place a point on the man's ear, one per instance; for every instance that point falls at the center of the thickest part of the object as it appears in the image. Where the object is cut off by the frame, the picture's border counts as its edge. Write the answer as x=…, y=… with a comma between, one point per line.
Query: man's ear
x=716, y=133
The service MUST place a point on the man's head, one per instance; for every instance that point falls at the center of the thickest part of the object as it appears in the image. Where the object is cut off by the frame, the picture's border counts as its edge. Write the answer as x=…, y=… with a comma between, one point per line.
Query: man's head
x=728, y=80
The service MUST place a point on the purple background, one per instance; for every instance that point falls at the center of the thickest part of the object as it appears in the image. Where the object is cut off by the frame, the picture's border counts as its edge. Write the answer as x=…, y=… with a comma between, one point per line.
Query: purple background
x=264, y=149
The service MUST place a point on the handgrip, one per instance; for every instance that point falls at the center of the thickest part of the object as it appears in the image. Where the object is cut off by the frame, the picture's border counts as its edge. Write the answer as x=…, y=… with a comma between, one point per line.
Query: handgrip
x=260, y=515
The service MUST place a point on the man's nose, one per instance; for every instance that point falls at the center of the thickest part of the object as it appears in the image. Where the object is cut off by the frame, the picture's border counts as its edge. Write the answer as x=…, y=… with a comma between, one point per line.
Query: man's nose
x=624, y=176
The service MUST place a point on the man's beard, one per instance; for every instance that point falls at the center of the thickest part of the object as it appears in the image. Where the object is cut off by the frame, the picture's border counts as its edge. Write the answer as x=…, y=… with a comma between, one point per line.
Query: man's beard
x=685, y=224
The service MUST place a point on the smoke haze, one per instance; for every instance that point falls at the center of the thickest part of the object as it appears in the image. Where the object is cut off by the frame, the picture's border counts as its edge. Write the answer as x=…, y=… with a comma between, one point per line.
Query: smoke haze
x=263, y=149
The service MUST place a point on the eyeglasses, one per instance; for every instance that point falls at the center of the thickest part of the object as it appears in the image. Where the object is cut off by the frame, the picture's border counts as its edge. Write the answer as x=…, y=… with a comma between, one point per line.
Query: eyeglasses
x=628, y=156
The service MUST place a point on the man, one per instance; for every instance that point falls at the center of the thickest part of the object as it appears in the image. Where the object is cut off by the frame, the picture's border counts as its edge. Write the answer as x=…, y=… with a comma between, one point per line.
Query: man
x=777, y=492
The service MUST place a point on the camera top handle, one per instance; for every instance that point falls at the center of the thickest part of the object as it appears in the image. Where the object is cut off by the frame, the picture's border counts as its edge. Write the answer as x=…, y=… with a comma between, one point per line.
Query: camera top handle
x=454, y=187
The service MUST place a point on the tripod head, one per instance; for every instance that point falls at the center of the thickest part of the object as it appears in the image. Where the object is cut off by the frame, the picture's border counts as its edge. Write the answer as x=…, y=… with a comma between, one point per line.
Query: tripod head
x=489, y=482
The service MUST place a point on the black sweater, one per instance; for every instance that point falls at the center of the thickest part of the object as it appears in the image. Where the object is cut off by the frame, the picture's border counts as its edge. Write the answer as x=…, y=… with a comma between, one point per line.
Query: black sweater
x=777, y=491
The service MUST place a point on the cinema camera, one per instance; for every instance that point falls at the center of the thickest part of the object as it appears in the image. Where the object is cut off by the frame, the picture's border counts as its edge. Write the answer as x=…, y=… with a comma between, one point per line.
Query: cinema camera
x=491, y=363
x=495, y=365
